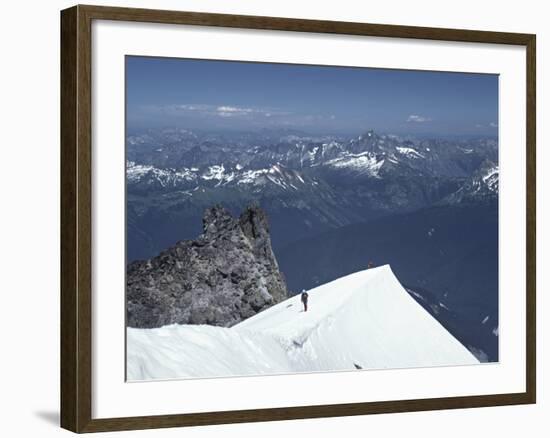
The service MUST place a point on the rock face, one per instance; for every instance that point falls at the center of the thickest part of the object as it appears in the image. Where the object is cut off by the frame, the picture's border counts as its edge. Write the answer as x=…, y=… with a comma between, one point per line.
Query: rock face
x=229, y=273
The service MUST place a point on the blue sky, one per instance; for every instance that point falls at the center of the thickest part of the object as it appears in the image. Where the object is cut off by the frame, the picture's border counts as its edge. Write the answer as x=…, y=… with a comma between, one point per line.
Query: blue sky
x=201, y=94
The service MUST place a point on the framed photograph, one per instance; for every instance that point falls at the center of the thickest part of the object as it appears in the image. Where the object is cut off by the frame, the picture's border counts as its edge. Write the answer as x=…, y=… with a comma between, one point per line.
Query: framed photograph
x=270, y=218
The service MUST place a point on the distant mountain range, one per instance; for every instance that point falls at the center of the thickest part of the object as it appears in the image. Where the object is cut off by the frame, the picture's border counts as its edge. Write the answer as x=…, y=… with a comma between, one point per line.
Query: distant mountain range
x=307, y=184
x=179, y=159
x=428, y=207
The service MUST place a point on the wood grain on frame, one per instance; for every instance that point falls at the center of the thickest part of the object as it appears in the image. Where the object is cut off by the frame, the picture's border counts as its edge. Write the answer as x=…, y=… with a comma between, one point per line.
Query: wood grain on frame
x=76, y=224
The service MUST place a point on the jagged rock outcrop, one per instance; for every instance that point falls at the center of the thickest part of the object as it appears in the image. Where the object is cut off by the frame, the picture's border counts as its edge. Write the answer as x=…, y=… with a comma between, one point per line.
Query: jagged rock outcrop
x=229, y=273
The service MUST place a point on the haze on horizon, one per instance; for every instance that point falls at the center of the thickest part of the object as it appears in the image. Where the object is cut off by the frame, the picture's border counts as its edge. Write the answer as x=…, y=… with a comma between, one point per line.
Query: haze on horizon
x=247, y=96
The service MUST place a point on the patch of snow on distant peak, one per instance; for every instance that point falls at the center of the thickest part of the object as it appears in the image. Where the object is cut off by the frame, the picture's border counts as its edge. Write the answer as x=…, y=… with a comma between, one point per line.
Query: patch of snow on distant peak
x=491, y=177
x=365, y=163
x=416, y=294
x=252, y=176
x=214, y=172
x=218, y=173
x=275, y=169
x=276, y=181
x=409, y=152
x=136, y=173
x=490, y=173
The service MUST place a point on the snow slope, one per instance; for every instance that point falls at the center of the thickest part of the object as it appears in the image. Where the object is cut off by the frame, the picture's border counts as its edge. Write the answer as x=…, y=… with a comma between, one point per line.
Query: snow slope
x=364, y=320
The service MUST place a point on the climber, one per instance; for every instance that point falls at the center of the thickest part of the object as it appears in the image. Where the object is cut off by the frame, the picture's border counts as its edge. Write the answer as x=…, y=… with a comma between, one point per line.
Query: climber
x=304, y=299
x=370, y=265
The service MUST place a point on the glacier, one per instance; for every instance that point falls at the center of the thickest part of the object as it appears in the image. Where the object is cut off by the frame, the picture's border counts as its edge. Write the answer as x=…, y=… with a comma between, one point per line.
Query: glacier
x=365, y=320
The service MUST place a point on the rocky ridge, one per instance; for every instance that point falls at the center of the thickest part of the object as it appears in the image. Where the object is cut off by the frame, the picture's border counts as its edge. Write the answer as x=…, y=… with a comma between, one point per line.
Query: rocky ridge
x=228, y=274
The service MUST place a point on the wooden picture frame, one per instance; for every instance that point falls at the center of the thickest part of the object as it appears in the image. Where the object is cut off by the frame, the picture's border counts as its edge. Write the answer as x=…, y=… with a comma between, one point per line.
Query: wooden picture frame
x=76, y=217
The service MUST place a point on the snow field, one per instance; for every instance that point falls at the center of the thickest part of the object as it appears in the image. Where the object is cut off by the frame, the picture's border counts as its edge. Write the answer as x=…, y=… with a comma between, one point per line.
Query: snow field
x=364, y=320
